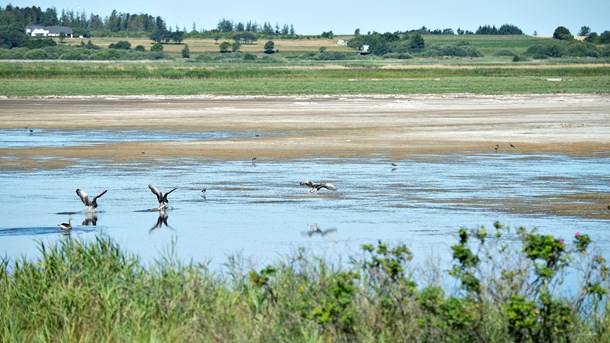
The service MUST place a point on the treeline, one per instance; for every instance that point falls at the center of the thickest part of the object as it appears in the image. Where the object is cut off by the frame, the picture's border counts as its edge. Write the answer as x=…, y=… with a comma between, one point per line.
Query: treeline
x=121, y=24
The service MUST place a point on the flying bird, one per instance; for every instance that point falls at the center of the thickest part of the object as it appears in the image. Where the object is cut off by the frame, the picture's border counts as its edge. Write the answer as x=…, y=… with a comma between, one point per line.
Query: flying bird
x=84, y=197
x=66, y=226
x=162, y=198
x=315, y=230
x=314, y=187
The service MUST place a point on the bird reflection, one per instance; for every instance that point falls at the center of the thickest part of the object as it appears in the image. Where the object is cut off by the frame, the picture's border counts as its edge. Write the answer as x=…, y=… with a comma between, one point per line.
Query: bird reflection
x=91, y=219
x=315, y=230
x=161, y=222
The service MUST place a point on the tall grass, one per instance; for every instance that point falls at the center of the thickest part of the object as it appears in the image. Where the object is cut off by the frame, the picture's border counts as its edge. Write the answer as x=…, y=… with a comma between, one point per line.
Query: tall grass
x=94, y=291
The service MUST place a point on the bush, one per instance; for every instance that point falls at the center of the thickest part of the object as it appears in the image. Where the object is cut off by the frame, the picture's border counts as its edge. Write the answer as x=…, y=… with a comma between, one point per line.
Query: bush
x=36, y=54
x=125, y=45
x=562, y=33
x=456, y=51
x=139, y=48
x=73, y=55
x=249, y=57
x=157, y=47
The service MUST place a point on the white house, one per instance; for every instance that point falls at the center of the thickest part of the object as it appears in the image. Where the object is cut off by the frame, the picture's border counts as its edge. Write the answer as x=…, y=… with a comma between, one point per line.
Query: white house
x=48, y=31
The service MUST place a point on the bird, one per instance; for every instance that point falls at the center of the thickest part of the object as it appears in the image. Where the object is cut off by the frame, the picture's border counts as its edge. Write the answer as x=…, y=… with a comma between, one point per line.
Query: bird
x=511, y=145
x=84, y=197
x=314, y=187
x=497, y=147
x=66, y=226
x=203, y=193
x=315, y=230
x=394, y=164
x=162, y=198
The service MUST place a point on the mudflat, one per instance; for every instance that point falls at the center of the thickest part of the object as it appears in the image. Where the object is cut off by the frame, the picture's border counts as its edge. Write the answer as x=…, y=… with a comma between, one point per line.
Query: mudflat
x=320, y=126
x=399, y=126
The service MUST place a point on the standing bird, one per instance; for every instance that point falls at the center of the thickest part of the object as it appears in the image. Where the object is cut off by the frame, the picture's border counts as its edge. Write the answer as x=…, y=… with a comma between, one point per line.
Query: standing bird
x=203, y=192
x=162, y=198
x=66, y=226
x=314, y=187
x=84, y=197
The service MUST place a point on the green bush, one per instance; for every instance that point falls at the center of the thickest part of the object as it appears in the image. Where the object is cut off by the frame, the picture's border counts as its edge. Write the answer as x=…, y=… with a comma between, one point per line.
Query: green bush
x=157, y=47
x=140, y=48
x=36, y=54
x=124, y=45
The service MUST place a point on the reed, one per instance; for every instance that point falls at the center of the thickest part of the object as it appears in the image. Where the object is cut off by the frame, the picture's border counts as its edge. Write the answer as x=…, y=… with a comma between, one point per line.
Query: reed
x=81, y=291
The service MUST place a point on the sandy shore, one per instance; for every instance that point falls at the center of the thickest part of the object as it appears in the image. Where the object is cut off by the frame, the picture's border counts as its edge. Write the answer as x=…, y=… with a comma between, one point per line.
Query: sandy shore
x=328, y=126
x=320, y=126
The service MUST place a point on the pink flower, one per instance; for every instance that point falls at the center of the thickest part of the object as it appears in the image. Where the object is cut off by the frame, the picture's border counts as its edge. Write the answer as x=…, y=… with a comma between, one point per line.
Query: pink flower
x=562, y=242
x=577, y=234
x=536, y=311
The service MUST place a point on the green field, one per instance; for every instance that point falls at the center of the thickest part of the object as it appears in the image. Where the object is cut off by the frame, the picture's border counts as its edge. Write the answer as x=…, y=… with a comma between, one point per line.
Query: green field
x=182, y=78
x=299, y=69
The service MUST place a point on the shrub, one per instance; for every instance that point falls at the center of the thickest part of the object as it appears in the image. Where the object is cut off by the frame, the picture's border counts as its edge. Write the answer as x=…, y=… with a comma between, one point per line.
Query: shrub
x=249, y=57
x=36, y=54
x=125, y=45
x=140, y=48
x=562, y=33
x=157, y=47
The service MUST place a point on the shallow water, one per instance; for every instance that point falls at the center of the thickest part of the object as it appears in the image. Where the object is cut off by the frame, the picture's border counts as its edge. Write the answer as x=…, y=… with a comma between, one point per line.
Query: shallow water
x=28, y=137
x=259, y=211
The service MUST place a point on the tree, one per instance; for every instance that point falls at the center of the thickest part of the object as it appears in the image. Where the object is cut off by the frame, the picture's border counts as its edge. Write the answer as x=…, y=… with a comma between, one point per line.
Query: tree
x=417, y=43
x=157, y=47
x=269, y=47
x=235, y=46
x=584, y=31
x=224, y=47
x=562, y=33
x=186, y=53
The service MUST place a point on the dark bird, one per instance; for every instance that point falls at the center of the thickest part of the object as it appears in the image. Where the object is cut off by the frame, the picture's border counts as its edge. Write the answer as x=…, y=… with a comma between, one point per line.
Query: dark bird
x=91, y=205
x=511, y=145
x=66, y=226
x=394, y=164
x=162, y=198
x=497, y=147
x=609, y=207
x=203, y=193
x=314, y=187
x=315, y=230
x=253, y=159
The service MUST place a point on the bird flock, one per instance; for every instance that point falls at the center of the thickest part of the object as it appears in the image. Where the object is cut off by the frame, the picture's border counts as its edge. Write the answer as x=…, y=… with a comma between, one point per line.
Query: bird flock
x=162, y=202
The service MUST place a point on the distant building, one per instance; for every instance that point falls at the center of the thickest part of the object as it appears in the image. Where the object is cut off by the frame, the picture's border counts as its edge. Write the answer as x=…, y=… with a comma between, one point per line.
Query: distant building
x=365, y=50
x=48, y=31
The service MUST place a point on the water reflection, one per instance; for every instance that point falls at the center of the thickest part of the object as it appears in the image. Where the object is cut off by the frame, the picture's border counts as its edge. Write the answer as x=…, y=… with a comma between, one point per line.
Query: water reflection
x=91, y=219
x=161, y=222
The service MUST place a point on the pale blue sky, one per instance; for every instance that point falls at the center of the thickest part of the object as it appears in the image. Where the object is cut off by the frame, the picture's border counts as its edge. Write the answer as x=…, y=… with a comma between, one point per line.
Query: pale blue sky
x=343, y=16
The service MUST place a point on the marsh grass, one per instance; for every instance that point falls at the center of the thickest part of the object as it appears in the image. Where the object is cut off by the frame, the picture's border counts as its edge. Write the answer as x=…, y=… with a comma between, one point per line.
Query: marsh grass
x=163, y=78
x=96, y=292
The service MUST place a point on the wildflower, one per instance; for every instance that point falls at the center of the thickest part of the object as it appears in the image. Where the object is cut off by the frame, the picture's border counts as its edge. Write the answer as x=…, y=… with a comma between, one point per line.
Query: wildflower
x=536, y=311
x=577, y=234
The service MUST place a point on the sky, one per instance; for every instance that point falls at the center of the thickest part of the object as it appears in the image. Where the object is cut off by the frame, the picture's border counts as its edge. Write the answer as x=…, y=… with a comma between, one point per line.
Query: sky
x=344, y=17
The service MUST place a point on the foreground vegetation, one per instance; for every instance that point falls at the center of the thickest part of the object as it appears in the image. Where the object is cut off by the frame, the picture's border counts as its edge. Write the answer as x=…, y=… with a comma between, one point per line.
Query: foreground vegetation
x=507, y=287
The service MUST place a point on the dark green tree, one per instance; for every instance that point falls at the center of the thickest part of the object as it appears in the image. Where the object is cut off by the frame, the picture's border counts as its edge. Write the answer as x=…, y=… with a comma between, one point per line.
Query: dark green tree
x=186, y=53
x=269, y=47
x=562, y=33
x=418, y=43
x=235, y=46
x=584, y=31
x=224, y=47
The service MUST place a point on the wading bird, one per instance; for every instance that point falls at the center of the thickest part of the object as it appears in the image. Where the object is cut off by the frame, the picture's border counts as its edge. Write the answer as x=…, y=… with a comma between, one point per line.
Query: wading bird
x=314, y=187
x=91, y=205
x=162, y=198
x=66, y=226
